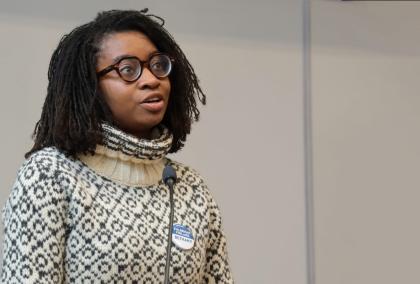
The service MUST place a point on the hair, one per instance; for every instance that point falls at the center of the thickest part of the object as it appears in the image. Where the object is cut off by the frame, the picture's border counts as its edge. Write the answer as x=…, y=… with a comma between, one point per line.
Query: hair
x=74, y=109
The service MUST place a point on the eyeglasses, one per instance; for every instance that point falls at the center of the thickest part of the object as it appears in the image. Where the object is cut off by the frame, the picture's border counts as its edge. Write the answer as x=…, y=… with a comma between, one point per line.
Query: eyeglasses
x=130, y=68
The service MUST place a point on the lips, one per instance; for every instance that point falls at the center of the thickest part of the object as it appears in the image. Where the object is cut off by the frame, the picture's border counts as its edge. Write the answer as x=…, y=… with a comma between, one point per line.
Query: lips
x=153, y=103
x=152, y=99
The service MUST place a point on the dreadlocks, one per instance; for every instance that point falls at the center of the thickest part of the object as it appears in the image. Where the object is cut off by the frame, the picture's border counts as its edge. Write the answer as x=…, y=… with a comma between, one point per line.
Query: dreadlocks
x=74, y=109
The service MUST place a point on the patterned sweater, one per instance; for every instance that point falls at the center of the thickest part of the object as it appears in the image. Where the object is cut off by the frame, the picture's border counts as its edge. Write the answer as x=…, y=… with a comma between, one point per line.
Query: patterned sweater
x=103, y=218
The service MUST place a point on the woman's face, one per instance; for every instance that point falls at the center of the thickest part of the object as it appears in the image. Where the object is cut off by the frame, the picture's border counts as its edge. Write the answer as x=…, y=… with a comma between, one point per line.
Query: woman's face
x=136, y=106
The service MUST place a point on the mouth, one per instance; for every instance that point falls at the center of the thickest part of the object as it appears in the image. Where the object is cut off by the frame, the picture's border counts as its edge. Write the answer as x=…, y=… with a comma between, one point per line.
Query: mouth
x=153, y=103
x=152, y=99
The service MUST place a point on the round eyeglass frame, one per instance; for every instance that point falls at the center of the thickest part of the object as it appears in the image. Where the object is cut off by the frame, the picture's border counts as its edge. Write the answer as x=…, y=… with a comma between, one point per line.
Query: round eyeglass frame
x=143, y=64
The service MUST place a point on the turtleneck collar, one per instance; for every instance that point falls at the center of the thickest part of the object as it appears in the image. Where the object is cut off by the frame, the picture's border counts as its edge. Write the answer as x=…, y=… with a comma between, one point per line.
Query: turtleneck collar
x=129, y=160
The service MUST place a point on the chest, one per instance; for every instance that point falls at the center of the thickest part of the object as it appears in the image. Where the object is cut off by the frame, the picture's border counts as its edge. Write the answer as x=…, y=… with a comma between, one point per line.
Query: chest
x=119, y=233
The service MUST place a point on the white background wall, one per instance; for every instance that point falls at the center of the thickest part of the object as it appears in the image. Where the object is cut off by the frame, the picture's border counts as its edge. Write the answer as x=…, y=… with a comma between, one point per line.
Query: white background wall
x=366, y=141
x=249, y=143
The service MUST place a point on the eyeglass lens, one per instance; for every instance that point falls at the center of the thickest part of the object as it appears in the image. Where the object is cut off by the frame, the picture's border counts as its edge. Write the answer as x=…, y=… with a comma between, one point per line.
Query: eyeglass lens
x=130, y=69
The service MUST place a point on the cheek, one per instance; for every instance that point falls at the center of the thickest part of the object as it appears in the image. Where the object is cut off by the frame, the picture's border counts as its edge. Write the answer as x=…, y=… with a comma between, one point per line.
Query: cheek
x=113, y=94
x=167, y=87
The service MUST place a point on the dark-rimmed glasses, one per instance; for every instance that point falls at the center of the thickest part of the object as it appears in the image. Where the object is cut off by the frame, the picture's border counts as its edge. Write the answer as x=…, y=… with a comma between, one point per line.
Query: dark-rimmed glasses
x=130, y=68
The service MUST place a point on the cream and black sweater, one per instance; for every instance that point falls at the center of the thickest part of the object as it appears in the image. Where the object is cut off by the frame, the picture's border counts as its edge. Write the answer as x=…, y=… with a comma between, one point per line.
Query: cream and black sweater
x=103, y=218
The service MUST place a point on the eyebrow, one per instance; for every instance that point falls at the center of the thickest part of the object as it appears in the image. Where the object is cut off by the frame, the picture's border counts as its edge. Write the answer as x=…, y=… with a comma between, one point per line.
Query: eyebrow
x=119, y=57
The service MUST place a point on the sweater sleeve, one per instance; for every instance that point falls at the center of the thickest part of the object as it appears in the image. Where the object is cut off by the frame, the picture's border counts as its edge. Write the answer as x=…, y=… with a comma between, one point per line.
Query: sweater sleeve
x=34, y=225
x=217, y=268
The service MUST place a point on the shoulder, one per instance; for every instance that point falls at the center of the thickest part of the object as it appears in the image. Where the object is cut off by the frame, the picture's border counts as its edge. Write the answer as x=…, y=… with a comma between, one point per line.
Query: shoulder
x=187, y=174
x=191, y=184
x=43, y=183
x=47, y=172
x=48, y=162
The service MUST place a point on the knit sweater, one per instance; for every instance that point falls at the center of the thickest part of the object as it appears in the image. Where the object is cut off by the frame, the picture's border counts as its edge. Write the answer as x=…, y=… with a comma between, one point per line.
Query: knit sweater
x=104, y=218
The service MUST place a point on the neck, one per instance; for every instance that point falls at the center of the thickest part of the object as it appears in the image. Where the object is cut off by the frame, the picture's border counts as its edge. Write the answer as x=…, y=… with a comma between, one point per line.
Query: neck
x=140, y=134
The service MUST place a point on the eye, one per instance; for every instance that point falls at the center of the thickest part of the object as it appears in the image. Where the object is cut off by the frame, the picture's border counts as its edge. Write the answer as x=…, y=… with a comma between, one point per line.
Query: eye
x=129, y=67
x=158, y=65
x=127, y=70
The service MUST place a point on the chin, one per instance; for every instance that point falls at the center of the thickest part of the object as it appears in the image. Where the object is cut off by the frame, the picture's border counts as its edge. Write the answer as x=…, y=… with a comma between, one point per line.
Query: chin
x=149, y=124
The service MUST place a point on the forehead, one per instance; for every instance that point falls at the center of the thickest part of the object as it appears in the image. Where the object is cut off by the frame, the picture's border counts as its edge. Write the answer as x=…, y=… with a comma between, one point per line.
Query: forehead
x=125, y=43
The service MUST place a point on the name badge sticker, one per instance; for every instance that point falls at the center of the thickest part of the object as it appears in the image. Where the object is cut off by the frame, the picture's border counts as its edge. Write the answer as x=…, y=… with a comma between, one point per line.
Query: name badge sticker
x=182, y=237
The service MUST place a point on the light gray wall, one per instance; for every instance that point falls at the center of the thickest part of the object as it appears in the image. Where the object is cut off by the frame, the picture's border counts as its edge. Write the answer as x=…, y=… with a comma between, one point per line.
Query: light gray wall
x=249, y=143
x=366, y=141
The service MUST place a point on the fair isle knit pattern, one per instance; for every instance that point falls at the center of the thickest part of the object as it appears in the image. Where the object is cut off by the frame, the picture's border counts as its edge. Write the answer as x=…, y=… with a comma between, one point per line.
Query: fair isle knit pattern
x=65, y=223
x=117, y=140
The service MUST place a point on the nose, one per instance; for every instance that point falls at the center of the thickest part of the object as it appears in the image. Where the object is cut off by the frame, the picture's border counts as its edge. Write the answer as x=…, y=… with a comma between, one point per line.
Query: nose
x=147, y=80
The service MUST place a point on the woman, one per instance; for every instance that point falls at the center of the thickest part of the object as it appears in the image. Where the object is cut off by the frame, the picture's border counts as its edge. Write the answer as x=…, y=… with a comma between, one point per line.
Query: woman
x=89, y=204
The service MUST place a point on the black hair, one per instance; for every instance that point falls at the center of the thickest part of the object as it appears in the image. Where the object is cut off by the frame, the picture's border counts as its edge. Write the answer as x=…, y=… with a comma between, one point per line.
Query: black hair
x=74, y=110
